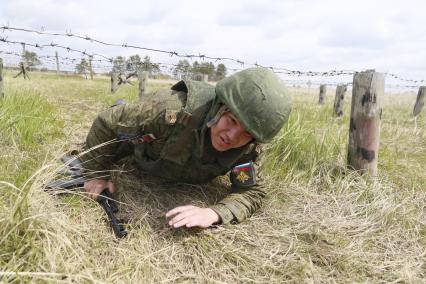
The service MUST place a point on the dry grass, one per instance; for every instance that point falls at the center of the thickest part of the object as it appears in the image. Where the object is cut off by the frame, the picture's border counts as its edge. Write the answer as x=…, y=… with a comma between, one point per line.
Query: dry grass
x=320, y=222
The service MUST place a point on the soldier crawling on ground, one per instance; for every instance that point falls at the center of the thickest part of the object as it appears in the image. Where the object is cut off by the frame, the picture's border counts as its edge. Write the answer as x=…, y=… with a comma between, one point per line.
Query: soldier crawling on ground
x=193, y=133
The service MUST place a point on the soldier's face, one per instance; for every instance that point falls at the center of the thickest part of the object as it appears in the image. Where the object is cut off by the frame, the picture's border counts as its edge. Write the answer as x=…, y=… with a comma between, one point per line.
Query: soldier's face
x=228, y=133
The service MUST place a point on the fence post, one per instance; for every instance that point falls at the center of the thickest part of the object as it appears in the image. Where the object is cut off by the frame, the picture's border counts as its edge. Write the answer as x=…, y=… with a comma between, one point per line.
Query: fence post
x=23, y=71
x=90, y=68
x=114, y=80
x=57, y=62
x=420, y=101
x=339, y=100
x=323, y=90
x=1, y=78
x=364, y=128
x=143, y=78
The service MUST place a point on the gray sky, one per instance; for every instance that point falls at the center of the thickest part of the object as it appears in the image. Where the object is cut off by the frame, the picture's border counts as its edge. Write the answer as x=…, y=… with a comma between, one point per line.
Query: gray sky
x=389, y=36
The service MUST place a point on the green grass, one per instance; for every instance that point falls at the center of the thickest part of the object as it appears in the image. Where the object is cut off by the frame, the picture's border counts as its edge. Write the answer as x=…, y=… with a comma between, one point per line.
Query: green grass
x=320, y=222
x=28, y=123
x=28, y=126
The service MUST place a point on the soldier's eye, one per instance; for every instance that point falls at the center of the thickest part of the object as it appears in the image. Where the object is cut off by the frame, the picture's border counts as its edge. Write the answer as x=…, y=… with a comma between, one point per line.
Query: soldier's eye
x=233, y=119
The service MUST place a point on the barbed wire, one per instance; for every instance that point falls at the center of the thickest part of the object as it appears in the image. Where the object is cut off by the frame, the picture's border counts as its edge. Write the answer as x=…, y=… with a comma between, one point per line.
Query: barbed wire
x=201, y=56
x=168, y=68
x=396, y=86
x=329, y=83
x=279, y=70
x=51, y=61
x=64, y=61
x=53, y=57
x=91, y=39
x=52, y=44
x=331, y=73
x=174, y=53
x=403, y=79
x=52, y=66
x=111, y=60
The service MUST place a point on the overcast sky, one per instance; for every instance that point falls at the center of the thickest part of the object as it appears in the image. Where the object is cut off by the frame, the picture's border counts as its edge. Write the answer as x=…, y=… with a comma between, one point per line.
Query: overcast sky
x=389, y=36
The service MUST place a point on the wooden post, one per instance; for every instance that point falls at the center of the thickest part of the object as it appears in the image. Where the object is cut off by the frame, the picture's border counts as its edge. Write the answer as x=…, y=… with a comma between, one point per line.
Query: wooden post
x=23, y=61
x=90, y=68
x=1, y=78
x=23, y=71
x=205, y=78
x=364, y=129
x=57, y=62
x=143, y=78
x=339, y=100
x=323, y=90
x=23, y=52
x=420, y=101
x=114, y=81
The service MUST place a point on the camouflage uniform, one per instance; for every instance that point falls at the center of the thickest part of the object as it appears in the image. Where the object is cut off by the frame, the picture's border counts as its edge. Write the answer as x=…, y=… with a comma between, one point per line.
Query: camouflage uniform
x=168, y=136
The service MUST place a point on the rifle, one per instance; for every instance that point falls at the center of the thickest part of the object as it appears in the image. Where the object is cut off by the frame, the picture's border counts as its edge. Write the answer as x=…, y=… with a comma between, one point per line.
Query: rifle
x=75, y=170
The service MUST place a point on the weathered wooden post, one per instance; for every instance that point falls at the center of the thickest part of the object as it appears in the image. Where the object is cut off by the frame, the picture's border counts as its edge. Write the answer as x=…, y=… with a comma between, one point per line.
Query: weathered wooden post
x=90, y=68
x=323, y=90
x=364, y=129
x=114, y=80
x=205, y=78
x=23, y=71
x=143, y=78
x=57, y=62
x=420, y=101
x=1, y=78
x=339, y=100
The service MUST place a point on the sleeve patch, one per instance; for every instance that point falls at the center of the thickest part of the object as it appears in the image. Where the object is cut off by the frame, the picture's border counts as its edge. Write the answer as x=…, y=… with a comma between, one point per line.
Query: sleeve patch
x=243, y=175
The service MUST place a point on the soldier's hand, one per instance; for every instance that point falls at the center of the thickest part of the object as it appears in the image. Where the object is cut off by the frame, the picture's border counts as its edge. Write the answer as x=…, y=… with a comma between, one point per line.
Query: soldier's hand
x=192, y=216
x=94, y=187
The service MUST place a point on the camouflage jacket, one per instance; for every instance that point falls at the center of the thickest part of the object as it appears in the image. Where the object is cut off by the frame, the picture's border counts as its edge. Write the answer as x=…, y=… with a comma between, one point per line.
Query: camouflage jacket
x=168, y=137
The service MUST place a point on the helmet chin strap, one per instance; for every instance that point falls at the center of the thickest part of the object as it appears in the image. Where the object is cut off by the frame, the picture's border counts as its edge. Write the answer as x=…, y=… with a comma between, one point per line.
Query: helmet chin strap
x=216, y=118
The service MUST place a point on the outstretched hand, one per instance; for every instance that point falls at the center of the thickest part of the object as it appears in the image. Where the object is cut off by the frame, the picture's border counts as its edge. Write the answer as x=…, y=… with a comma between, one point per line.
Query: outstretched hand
x=192, y=216
x=95, y=187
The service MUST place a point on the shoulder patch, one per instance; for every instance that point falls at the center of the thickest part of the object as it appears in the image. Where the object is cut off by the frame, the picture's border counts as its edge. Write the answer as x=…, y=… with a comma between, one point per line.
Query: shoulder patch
x=243, y=175
x=171, y=116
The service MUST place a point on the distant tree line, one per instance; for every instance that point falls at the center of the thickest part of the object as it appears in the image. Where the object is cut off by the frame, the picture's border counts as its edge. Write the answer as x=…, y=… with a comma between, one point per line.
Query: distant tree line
x=182, y=70
x=195, y=71
x=135, y=63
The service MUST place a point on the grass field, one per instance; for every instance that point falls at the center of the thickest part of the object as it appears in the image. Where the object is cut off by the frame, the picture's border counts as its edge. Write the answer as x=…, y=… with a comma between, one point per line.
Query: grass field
x=320, y=223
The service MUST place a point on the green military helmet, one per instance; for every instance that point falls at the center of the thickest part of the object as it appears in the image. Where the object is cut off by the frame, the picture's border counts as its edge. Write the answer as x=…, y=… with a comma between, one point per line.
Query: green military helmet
x=259, y=99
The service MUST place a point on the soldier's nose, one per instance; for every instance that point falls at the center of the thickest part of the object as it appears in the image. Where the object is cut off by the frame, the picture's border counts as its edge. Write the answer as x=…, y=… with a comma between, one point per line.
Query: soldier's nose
x=234, y=134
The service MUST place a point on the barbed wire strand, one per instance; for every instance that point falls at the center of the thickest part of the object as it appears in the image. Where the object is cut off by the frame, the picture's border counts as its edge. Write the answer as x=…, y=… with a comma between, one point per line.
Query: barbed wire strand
x=201, y=56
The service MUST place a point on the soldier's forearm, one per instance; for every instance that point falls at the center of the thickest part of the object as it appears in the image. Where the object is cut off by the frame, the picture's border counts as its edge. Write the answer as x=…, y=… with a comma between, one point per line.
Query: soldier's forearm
x=240, y=205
